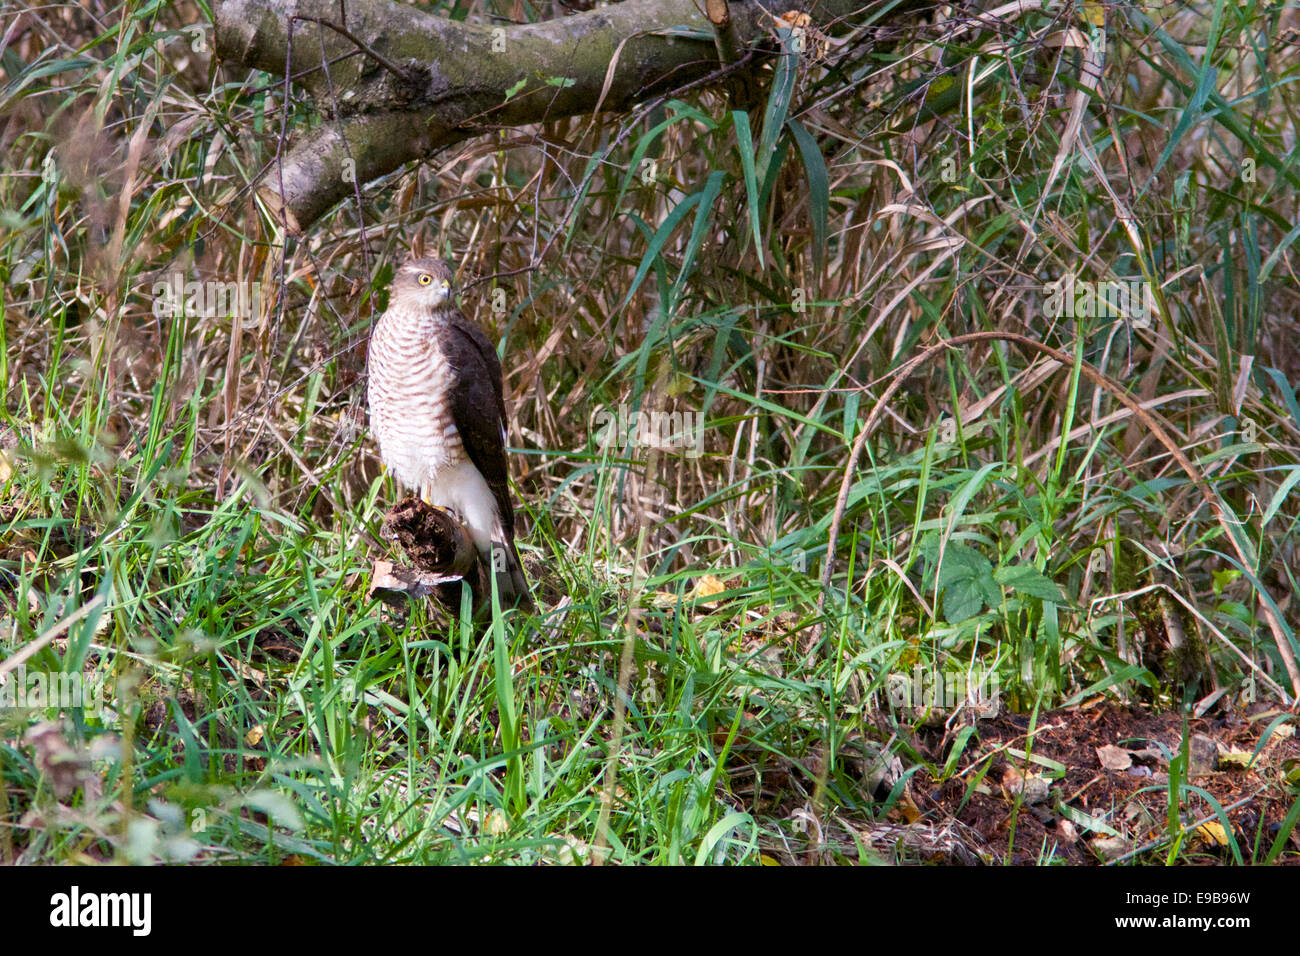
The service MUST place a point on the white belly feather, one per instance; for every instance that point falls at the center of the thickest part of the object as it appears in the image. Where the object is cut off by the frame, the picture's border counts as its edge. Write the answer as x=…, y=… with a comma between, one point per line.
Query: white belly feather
x=411, y=419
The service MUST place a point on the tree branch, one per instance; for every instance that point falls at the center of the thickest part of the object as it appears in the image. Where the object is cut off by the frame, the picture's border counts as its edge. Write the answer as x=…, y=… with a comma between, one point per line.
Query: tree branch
x=413, y=83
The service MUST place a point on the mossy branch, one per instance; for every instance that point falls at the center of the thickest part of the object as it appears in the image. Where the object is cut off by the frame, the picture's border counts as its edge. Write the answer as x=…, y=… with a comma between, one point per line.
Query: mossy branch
x=396, y=83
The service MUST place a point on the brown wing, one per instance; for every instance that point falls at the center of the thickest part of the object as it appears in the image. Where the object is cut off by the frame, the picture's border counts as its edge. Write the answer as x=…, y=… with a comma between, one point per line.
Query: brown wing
x=478, y=408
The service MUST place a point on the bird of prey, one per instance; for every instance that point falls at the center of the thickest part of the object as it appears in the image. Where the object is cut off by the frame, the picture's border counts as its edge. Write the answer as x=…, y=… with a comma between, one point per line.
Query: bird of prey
x=437, y=411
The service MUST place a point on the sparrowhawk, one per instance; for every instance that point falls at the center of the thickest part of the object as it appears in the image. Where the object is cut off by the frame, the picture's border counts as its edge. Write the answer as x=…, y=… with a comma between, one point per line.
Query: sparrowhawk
x=437, y=411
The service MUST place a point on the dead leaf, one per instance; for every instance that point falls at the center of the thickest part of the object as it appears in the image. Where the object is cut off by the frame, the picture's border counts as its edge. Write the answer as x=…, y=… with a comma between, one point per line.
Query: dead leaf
x=707, y=587
x=62, y=766
x=1235, y=760
x=1033, y=786
x=906, y=809
x=1202, y=755
x=1109, y=847
x=387, y=579
x=1152, y=755
x=1114, y=758
x=1212, y=833
x=248, y=673
x=576, y=852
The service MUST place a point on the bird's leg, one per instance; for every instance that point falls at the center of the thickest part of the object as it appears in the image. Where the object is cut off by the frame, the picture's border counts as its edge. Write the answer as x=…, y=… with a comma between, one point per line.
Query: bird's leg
x=426, y=495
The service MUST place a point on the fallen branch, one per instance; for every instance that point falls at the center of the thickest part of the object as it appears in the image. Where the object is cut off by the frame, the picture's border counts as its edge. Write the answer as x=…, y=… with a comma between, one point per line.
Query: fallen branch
x=397, y=84
x=441, y=554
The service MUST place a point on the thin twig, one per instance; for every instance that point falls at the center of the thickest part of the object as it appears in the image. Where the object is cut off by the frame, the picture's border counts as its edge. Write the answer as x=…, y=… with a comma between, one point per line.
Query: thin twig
x=347, y=34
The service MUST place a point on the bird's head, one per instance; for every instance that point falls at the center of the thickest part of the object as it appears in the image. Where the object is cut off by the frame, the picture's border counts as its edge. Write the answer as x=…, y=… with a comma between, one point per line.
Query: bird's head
x=425, y=282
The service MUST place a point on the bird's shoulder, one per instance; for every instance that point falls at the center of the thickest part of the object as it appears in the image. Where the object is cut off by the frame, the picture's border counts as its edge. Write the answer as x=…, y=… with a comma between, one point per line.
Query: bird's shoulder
x=465, y=342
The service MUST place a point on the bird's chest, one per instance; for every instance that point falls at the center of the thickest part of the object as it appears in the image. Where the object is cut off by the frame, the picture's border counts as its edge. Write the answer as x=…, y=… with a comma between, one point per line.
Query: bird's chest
x=411, y=393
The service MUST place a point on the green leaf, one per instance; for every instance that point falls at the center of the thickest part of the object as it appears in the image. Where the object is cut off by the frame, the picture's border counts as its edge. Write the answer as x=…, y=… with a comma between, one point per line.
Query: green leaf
x=966, y=579
x=1284, y=833
x=732, y=821
x=1225, y=577
x=819, y=193
x=1205, y=82
x=778, y=107
x=708, y=195
x=1118, y=677
x=1284, y=388
x=507, y=716
x=643, y=146
x=1028, y=580
x=745, y=143
x=657, y=242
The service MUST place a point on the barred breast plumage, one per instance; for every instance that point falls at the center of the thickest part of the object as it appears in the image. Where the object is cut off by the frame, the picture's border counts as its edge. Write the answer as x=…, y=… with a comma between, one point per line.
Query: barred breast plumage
x=409, y=414
x=437, y=412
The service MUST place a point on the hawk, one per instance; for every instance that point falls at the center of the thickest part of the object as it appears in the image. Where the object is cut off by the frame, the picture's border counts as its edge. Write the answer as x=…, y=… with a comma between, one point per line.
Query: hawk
x=437, y=411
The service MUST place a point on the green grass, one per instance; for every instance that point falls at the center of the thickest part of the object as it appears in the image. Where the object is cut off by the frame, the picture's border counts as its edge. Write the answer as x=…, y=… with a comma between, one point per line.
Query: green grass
x=190, y=506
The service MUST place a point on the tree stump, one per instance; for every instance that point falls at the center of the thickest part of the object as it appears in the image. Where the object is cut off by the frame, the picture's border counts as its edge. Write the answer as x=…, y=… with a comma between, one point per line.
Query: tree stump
x=442, y=555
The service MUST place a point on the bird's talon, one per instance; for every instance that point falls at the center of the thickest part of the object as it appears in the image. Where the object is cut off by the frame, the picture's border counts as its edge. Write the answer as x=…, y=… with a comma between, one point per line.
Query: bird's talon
x=449, y=512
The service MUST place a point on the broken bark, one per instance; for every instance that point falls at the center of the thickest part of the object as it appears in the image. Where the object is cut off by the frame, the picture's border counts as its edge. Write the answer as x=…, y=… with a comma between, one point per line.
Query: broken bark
x=442, y=555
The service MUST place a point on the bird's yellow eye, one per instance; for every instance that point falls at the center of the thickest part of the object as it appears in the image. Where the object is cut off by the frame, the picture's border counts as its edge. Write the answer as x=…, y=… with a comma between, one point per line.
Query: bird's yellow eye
x=424, y=278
